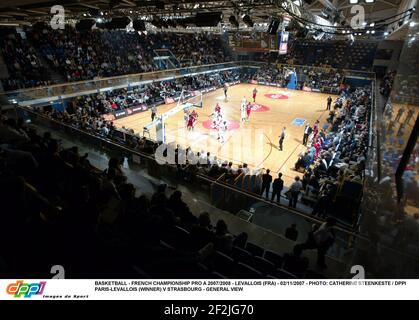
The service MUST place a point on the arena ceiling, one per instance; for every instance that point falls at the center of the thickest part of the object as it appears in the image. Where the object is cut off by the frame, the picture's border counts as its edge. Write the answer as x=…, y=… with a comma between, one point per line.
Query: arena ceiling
x=259, y=10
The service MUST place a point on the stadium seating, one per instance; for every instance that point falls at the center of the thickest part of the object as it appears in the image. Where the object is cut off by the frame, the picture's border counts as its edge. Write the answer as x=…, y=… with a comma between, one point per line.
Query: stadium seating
x=118, y=234
x=75, y=55
x=358, y=55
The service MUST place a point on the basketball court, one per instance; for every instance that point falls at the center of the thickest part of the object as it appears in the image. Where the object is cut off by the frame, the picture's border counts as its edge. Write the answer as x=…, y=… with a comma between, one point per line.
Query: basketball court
x=255, y=141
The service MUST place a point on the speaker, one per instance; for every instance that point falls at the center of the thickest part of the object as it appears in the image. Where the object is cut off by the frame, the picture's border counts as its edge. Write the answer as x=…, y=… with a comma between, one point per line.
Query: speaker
x=85, y=24
x=208, y=19
x=119, y=23
x=138, y=25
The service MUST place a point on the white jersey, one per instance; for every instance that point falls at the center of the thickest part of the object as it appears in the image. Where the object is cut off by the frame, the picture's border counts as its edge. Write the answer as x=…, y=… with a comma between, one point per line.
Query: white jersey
x=222, y=128
x=219, y=120
x=243, y=113
x=244, y=102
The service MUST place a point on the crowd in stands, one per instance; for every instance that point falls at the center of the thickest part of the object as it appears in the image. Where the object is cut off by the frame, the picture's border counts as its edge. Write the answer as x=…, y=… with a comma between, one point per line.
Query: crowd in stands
x=191, y=49
x=306, y=77
x=86, y=112
x=97, y=225
x=86, y=55
x=336, y=152
x=80, y=56
x=101, y=53
x=340, y=54
x=21, y=58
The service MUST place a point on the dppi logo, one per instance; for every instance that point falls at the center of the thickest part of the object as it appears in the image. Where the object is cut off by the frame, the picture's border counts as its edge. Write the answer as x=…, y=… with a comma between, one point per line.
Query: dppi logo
x=27, y=290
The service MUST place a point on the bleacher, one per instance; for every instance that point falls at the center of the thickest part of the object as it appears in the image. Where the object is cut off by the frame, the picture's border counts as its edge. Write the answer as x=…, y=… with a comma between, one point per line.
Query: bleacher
x=357, y=55
x=108, y=231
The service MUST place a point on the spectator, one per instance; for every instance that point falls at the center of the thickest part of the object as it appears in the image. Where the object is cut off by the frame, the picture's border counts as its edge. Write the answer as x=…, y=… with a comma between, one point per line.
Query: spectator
x=295, y=263
x=292, y=232
x=223, y=239
x=266, y=183
x=277, y=187
x=294, y=192
x=180, y=208
x=201, y=234
x=321, y=238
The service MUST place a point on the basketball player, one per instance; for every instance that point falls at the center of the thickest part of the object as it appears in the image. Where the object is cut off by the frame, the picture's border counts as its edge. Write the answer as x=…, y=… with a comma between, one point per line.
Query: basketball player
x=254, y=94
x=248, y=110
x=281, y=138
x=219, y=119
x=195, y=116
x=243, y=114
x=192, y=120
x=225, y=90
x=243, y=105
x=189, y=126
x=222, y=129
x=217, y=108
x=153, y=112
x=244, y=101
x=186, y=116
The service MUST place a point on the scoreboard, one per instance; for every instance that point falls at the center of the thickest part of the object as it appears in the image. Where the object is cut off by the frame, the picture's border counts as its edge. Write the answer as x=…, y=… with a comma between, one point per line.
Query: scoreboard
x=253, y=42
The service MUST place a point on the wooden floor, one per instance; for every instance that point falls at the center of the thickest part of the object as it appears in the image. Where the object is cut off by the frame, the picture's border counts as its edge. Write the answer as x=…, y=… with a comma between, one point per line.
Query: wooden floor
x=256, y=141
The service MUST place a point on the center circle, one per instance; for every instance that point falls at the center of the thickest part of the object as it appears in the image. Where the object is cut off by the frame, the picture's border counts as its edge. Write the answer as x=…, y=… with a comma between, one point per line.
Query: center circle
x=276, y=96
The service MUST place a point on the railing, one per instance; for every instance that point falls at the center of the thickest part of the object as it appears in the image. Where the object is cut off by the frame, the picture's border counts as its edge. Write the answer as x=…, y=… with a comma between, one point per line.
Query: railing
x=59, y=91
x=72, y=89
x=347, y=72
